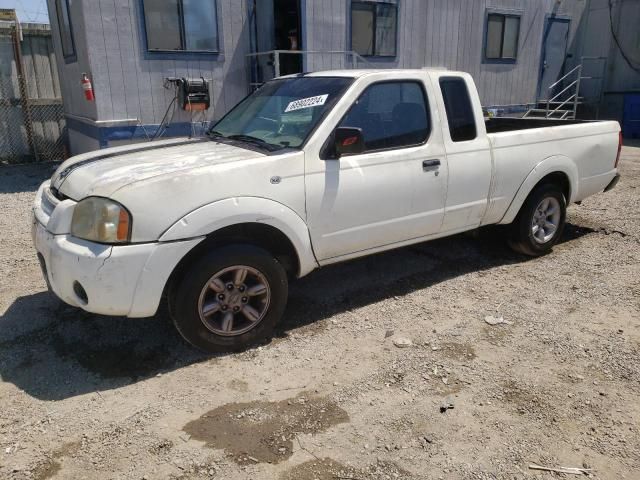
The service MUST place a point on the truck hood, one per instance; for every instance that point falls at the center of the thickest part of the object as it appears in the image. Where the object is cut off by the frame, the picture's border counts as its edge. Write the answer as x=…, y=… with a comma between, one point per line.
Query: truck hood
x=104, y=172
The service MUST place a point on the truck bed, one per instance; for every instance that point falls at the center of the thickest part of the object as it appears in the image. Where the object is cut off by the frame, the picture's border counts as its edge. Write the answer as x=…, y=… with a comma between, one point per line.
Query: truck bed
x=584, y=149
x=507, y=124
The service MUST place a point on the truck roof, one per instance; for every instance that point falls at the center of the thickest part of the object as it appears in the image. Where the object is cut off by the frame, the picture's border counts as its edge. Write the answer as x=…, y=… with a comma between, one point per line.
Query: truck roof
x=365, y=72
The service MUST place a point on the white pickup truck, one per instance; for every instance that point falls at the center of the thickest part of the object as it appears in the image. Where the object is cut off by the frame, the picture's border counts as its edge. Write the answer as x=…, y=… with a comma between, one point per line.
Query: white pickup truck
x=309, y=170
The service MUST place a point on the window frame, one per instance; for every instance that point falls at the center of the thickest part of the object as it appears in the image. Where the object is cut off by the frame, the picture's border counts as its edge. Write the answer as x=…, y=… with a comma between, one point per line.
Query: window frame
x=374, y=5
x=73, y=57
x=159, y=53
x=504, y=14
x=328, y=143
x=447, y=78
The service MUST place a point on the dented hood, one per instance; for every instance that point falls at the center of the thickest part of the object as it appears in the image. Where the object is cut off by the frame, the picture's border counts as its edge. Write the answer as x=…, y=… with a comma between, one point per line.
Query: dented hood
x=104, y=172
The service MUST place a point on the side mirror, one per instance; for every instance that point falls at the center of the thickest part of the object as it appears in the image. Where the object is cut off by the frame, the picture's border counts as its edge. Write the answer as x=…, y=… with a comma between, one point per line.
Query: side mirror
x=348, y=141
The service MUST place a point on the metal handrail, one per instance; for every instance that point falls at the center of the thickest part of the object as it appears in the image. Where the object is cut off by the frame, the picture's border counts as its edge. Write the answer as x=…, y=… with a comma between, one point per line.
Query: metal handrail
x=579, y=67
x=302, y=52
x=355, y=57
x=564, y=90
x=562, y=104
x=574, y=97
x=577, y=99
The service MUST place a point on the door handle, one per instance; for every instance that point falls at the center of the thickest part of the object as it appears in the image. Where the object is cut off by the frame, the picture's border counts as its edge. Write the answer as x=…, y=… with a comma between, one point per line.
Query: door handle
x=430, y=164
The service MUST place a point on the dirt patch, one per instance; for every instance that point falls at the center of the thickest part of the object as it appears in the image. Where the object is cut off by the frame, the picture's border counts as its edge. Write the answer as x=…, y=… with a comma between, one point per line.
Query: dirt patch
x=162, y=447
x=461, y=352
x=328, y=469
x=448, y=385
x=324, y=469
x=257, y=432
x=496, y=336
x=50, y=467
x=524, y=398
x=238, y=385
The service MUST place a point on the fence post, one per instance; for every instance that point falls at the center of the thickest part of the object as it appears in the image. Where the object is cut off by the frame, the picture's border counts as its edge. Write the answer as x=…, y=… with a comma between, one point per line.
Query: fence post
x=24, y=92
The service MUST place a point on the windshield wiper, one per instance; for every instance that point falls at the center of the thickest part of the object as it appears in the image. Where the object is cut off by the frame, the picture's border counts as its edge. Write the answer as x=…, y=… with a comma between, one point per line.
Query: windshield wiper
x=247, y=138
x=255, y=141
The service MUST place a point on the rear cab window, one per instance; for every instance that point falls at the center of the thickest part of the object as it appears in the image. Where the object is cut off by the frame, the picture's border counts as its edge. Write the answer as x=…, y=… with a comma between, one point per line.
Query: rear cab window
x=391, y=115
x=457, y=103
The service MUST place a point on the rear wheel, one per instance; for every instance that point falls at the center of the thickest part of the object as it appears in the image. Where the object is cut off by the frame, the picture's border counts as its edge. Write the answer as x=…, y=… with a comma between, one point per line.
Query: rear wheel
x=540, y=222
x=230, y=298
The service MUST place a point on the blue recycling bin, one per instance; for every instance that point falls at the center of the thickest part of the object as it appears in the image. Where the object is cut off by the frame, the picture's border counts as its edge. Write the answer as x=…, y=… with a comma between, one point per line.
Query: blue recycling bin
x=631, y=117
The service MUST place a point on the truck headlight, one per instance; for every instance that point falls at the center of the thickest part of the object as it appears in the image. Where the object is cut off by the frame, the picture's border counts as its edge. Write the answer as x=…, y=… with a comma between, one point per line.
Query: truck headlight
x=101, y=220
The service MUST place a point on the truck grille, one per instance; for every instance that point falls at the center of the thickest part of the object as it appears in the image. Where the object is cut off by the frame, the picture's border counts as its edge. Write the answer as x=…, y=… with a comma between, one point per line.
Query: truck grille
x=49, y=201
x=54, y=191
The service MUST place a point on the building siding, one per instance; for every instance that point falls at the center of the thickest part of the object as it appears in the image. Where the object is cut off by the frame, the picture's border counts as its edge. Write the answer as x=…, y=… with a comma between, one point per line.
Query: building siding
x=449, y=34
x=70, y=73
x=129, y=82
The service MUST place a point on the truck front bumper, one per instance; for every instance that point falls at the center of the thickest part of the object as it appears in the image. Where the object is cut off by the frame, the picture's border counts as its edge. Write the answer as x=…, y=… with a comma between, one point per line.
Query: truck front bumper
x=125, y=280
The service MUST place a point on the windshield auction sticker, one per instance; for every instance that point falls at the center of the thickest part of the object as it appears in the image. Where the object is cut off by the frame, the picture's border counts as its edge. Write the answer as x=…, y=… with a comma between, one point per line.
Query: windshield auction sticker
x=306, y=103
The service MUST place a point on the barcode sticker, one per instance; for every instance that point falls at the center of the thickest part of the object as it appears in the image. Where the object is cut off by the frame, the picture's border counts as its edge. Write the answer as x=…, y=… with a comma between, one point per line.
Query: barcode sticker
x=306, y=103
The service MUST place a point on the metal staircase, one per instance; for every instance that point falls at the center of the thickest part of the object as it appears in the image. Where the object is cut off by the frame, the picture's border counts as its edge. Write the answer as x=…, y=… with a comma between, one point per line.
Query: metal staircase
x=564, y=104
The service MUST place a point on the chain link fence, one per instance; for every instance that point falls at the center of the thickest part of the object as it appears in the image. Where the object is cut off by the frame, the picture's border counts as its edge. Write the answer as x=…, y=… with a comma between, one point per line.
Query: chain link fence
x=32, y=126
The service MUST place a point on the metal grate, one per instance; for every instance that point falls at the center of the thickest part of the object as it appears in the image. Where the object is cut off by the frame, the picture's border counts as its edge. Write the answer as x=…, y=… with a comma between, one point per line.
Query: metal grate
x=32, y=126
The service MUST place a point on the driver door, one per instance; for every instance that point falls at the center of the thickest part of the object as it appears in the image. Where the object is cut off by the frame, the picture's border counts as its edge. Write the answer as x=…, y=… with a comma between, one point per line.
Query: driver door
x=390, y=193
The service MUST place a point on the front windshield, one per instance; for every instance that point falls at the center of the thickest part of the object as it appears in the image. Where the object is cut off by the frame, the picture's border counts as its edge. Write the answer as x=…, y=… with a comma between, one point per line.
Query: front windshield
x=282, y=113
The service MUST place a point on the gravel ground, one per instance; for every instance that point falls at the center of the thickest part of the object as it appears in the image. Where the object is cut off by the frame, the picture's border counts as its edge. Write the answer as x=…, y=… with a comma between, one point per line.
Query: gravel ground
x=333, y=397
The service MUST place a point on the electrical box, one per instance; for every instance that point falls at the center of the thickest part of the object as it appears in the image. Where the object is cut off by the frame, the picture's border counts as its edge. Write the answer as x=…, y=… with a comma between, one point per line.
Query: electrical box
x=193, y=94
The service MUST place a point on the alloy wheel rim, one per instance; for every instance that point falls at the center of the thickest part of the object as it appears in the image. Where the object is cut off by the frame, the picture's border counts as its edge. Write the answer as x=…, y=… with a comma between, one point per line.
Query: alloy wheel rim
x=234, y=300
x=546, y=220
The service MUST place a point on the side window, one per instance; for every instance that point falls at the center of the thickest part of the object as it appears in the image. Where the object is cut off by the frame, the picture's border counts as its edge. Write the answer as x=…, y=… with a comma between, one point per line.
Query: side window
x=374, y=28
x=66, y=32
x=457, y=103
x=391, y=115
x=181, y=25
x=503, y=32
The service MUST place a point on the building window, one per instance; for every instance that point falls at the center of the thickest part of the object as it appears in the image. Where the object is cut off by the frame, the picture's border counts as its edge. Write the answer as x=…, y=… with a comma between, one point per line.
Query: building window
x=66, y=32
x=502, y=36
x=181, y=25
x=373, y=28
x=391, y=115
x=457, y=104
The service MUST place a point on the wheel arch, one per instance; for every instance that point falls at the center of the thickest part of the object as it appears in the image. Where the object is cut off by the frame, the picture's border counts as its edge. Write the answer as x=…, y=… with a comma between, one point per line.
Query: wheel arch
x=557, y=170
x=255, y=221
x=255, y=234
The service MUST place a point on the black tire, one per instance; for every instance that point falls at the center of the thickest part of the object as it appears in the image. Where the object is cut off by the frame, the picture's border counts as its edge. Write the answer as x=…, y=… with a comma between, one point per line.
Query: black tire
x=186, y=291
x=521, y=237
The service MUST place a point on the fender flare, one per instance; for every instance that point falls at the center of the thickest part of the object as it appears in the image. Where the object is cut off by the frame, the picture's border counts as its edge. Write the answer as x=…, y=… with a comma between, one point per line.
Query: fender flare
x=553, y=164
x=214, y=216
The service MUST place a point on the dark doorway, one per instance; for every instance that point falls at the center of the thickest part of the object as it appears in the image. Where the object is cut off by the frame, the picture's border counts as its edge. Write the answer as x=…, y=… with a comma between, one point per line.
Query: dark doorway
x=275, y=25
x=554, y=54
x=286, y=15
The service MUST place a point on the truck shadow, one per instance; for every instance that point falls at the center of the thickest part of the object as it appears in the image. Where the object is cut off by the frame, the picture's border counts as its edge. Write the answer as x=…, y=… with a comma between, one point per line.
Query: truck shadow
x=25, y=177
x=53, y=352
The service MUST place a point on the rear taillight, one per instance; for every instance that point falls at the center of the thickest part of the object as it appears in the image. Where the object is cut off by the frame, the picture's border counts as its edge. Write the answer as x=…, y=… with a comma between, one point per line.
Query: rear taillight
x=619, y=150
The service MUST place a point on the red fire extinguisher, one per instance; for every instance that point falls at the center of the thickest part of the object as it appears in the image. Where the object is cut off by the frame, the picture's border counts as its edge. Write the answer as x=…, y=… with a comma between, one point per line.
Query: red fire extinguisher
x=88, y=88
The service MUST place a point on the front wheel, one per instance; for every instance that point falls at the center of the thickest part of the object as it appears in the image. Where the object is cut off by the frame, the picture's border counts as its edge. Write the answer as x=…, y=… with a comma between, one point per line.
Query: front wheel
x=540, y=222
x=230, y=298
